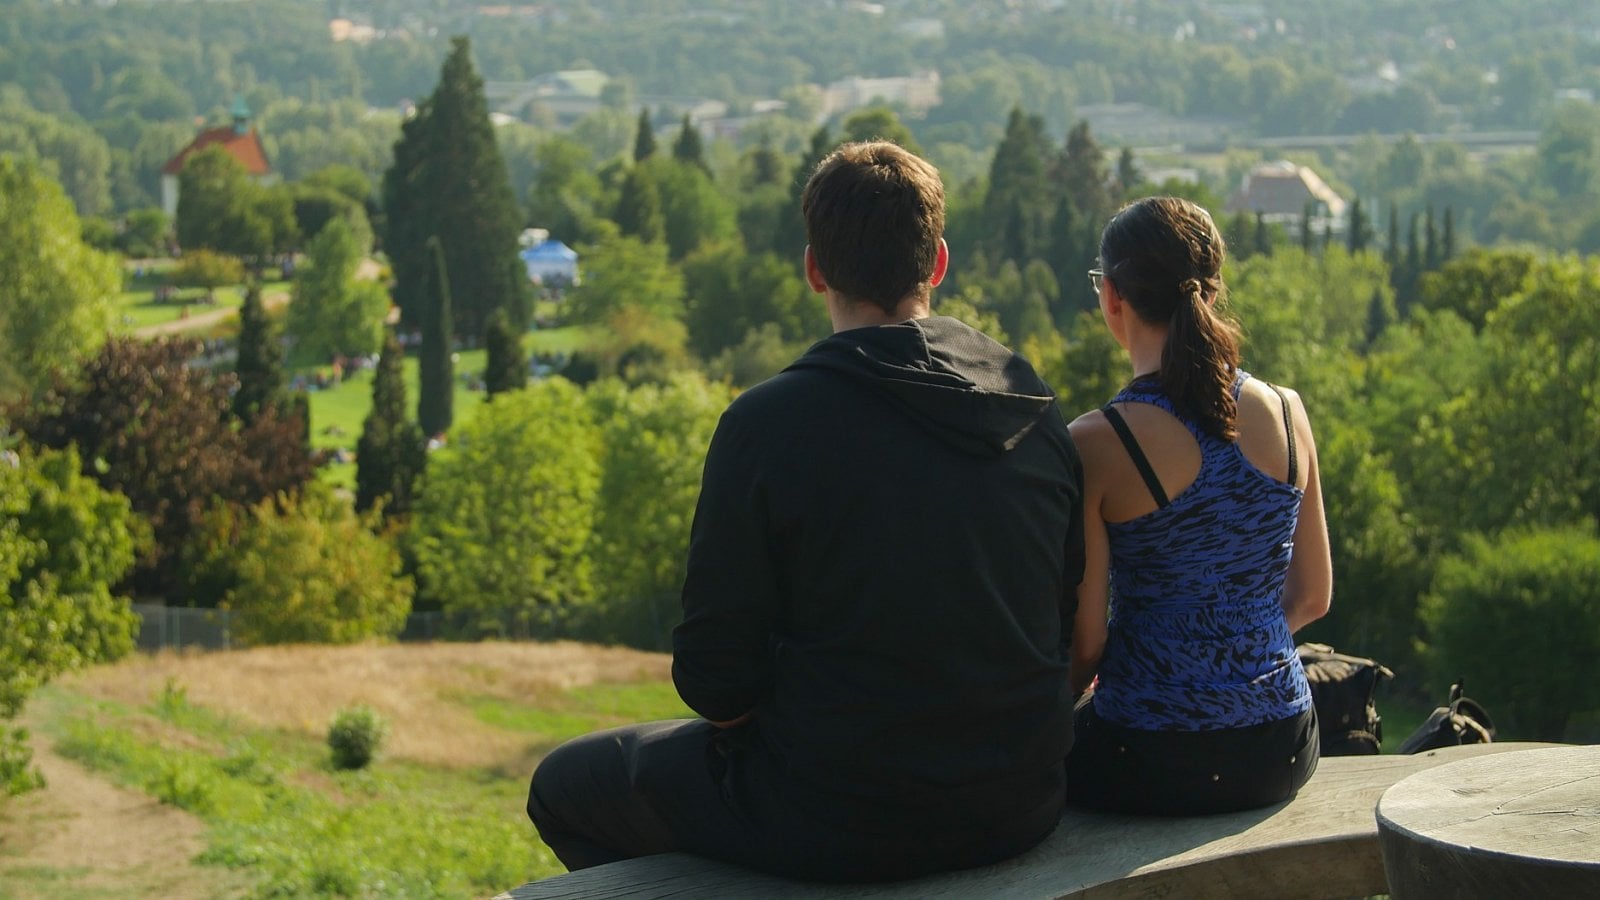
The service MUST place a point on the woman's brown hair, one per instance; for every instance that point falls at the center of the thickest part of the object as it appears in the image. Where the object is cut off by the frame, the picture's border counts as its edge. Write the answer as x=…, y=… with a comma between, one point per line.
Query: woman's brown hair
x=1164, y=255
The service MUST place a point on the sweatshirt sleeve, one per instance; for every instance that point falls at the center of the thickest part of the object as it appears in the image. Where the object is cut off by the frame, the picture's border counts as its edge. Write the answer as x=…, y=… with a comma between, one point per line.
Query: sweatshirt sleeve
x=722, y=661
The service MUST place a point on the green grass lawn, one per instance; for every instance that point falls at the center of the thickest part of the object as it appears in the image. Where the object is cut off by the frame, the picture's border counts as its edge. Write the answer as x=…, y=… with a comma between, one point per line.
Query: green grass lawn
x=137, y=308
x=276, y=810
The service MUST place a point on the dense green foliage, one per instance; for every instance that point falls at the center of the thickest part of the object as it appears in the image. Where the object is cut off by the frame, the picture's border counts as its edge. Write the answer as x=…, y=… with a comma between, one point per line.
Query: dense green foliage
x=1519, y=616
x=64, y=542
x=56, y=290
x=306, y=569
x=162, y=433
x=258, y=359
x=334, y=313
x=507, y=510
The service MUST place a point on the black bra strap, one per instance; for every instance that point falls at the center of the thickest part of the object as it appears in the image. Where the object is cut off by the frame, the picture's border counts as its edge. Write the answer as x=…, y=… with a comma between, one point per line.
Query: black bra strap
x=1288, y=426
x=1139, y=460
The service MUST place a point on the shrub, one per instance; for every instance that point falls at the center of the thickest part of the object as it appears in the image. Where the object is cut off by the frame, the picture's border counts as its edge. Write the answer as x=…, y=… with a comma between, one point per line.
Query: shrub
x=354, y=737
x=1518, y=616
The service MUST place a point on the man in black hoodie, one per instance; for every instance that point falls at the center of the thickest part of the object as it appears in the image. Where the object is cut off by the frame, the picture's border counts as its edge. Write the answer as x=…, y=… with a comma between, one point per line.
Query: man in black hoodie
x=879, y=595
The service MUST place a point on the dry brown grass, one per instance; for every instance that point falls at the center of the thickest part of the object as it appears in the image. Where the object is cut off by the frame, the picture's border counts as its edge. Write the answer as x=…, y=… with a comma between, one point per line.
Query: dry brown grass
x=301, y=687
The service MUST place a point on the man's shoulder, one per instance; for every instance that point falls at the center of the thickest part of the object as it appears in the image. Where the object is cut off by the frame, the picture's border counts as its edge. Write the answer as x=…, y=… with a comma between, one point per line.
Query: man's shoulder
x=780, y=392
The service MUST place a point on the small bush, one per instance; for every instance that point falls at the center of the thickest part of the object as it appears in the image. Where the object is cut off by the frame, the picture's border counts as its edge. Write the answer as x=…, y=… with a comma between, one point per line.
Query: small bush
x=17, y=776
x=354, y=737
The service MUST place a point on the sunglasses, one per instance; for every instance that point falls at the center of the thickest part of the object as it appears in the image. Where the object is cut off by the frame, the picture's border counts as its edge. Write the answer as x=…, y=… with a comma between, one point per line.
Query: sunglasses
x=1095, y=277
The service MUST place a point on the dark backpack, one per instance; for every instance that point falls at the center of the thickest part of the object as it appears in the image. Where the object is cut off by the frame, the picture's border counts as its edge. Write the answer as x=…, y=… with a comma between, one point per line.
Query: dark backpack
x=1461, y=721
x=1341, y=689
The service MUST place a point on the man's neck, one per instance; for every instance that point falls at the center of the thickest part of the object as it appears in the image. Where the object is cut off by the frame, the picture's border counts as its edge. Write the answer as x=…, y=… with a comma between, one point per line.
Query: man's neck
x=847, y=314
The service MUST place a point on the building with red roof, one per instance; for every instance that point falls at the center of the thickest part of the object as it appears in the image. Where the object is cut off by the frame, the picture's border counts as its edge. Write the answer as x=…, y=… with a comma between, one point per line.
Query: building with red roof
x=239, y=139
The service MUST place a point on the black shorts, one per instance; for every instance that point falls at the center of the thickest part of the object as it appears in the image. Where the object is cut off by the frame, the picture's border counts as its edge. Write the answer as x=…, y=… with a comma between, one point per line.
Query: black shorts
x=1180, y=773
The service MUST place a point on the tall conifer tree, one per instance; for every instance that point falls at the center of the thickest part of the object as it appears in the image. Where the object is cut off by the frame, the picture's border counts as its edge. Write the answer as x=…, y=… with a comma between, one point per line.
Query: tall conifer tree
x=1019, y=197
x=644, y=138
x=259, y=360
x=507, y=365
x=390, y=454
x=688, y=147
x=436, y=388
x=449, y=180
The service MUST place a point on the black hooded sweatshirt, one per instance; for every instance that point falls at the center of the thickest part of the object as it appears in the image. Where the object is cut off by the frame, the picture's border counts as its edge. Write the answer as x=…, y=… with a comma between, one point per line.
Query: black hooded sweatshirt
x=882, y=570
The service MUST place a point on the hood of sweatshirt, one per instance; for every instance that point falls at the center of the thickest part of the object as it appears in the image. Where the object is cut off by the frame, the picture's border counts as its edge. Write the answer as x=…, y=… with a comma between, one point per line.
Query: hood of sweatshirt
x=961, y=385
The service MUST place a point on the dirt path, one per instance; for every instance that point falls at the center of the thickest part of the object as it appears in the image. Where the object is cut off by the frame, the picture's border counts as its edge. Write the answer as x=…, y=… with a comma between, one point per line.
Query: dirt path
x=82, y=836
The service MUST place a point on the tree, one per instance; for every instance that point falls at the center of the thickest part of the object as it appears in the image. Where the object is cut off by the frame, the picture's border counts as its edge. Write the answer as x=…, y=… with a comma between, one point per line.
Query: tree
x=220, y=208
x=391, y=452
x=259, y=359
x=1517, y=615
x=644, y=138
x=688, y=148
x=653, y=440
x=208, y=270
x=56, y=290
x=307, y=569
x=162, y=432
x=879, y=123
x=435, y=362
x=63, y=543
x=639, y=206
x=333, y=313
x=1081, y=172
x=506, y=513
x=1128, y=175
x=693, y=212
x=1359, y=232
x=507, y=366
x=448, y=183
x=1019, y=188
x=729, y=293
x=626, y=272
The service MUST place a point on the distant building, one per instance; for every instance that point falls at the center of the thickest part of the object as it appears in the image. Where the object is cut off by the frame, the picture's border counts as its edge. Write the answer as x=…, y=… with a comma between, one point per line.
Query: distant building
x=917, y=93
x=239, y=139
x=1281, y=191
x=551, y=262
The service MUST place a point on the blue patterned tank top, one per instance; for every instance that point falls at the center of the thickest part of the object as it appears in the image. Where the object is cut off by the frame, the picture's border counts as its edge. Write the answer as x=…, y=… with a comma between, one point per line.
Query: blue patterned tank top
x=1197, y=639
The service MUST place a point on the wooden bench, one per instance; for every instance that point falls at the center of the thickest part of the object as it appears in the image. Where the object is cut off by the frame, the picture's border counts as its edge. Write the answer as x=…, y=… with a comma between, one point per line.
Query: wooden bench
x=1323, y=843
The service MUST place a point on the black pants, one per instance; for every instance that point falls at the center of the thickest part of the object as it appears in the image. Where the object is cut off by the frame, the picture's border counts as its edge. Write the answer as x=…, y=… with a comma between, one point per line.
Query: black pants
x=1181, y=773
x=687, y=786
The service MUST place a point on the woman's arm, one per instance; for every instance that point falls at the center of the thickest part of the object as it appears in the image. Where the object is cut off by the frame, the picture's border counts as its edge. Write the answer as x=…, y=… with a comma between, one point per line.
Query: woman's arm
x=1309, y=588
x=1089, y=624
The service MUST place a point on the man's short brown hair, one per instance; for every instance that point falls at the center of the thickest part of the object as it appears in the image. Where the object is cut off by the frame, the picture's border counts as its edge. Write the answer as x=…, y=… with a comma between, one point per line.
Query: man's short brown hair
x=874, y=216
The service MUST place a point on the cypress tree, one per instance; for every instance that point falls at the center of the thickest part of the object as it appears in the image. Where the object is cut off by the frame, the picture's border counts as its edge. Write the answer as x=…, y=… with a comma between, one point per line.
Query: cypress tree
x=1377, y=316
x=1306, y=213
x=766, y=164
x=689, y=148
x=1430, y=254
x=1356, y=238
x=449, y=180
x=259, y=362
x=1263, y=234
x=644, y=139
x=436, y=389
x=1391, y=251
x=1447, y=240
x=1081, y=172
x=1128, y=175
x=507, y=367
x=639, y=212
x=1019, y=193
x=390, y=454
x=789, y=236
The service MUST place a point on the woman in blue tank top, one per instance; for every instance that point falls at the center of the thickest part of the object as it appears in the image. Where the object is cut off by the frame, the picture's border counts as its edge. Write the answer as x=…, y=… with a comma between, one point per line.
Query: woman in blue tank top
x=1207, y=546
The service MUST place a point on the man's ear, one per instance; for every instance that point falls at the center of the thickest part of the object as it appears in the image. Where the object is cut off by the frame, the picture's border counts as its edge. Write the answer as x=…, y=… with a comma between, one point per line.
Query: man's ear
x=941, y=264
x=814, y=274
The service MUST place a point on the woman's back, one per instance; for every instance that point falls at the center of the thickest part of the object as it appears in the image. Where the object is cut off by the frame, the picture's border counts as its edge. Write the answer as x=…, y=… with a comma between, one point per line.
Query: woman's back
x=1201, y=534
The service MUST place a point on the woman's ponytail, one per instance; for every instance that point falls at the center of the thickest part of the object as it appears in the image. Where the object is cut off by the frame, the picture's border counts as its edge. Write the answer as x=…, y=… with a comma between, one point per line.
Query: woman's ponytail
x=1199, y=361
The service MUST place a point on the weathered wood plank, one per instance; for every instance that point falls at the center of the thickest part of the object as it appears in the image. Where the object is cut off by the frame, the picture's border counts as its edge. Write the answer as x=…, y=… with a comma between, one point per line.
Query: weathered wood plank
x=1523, y=824
x=1321, y=844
